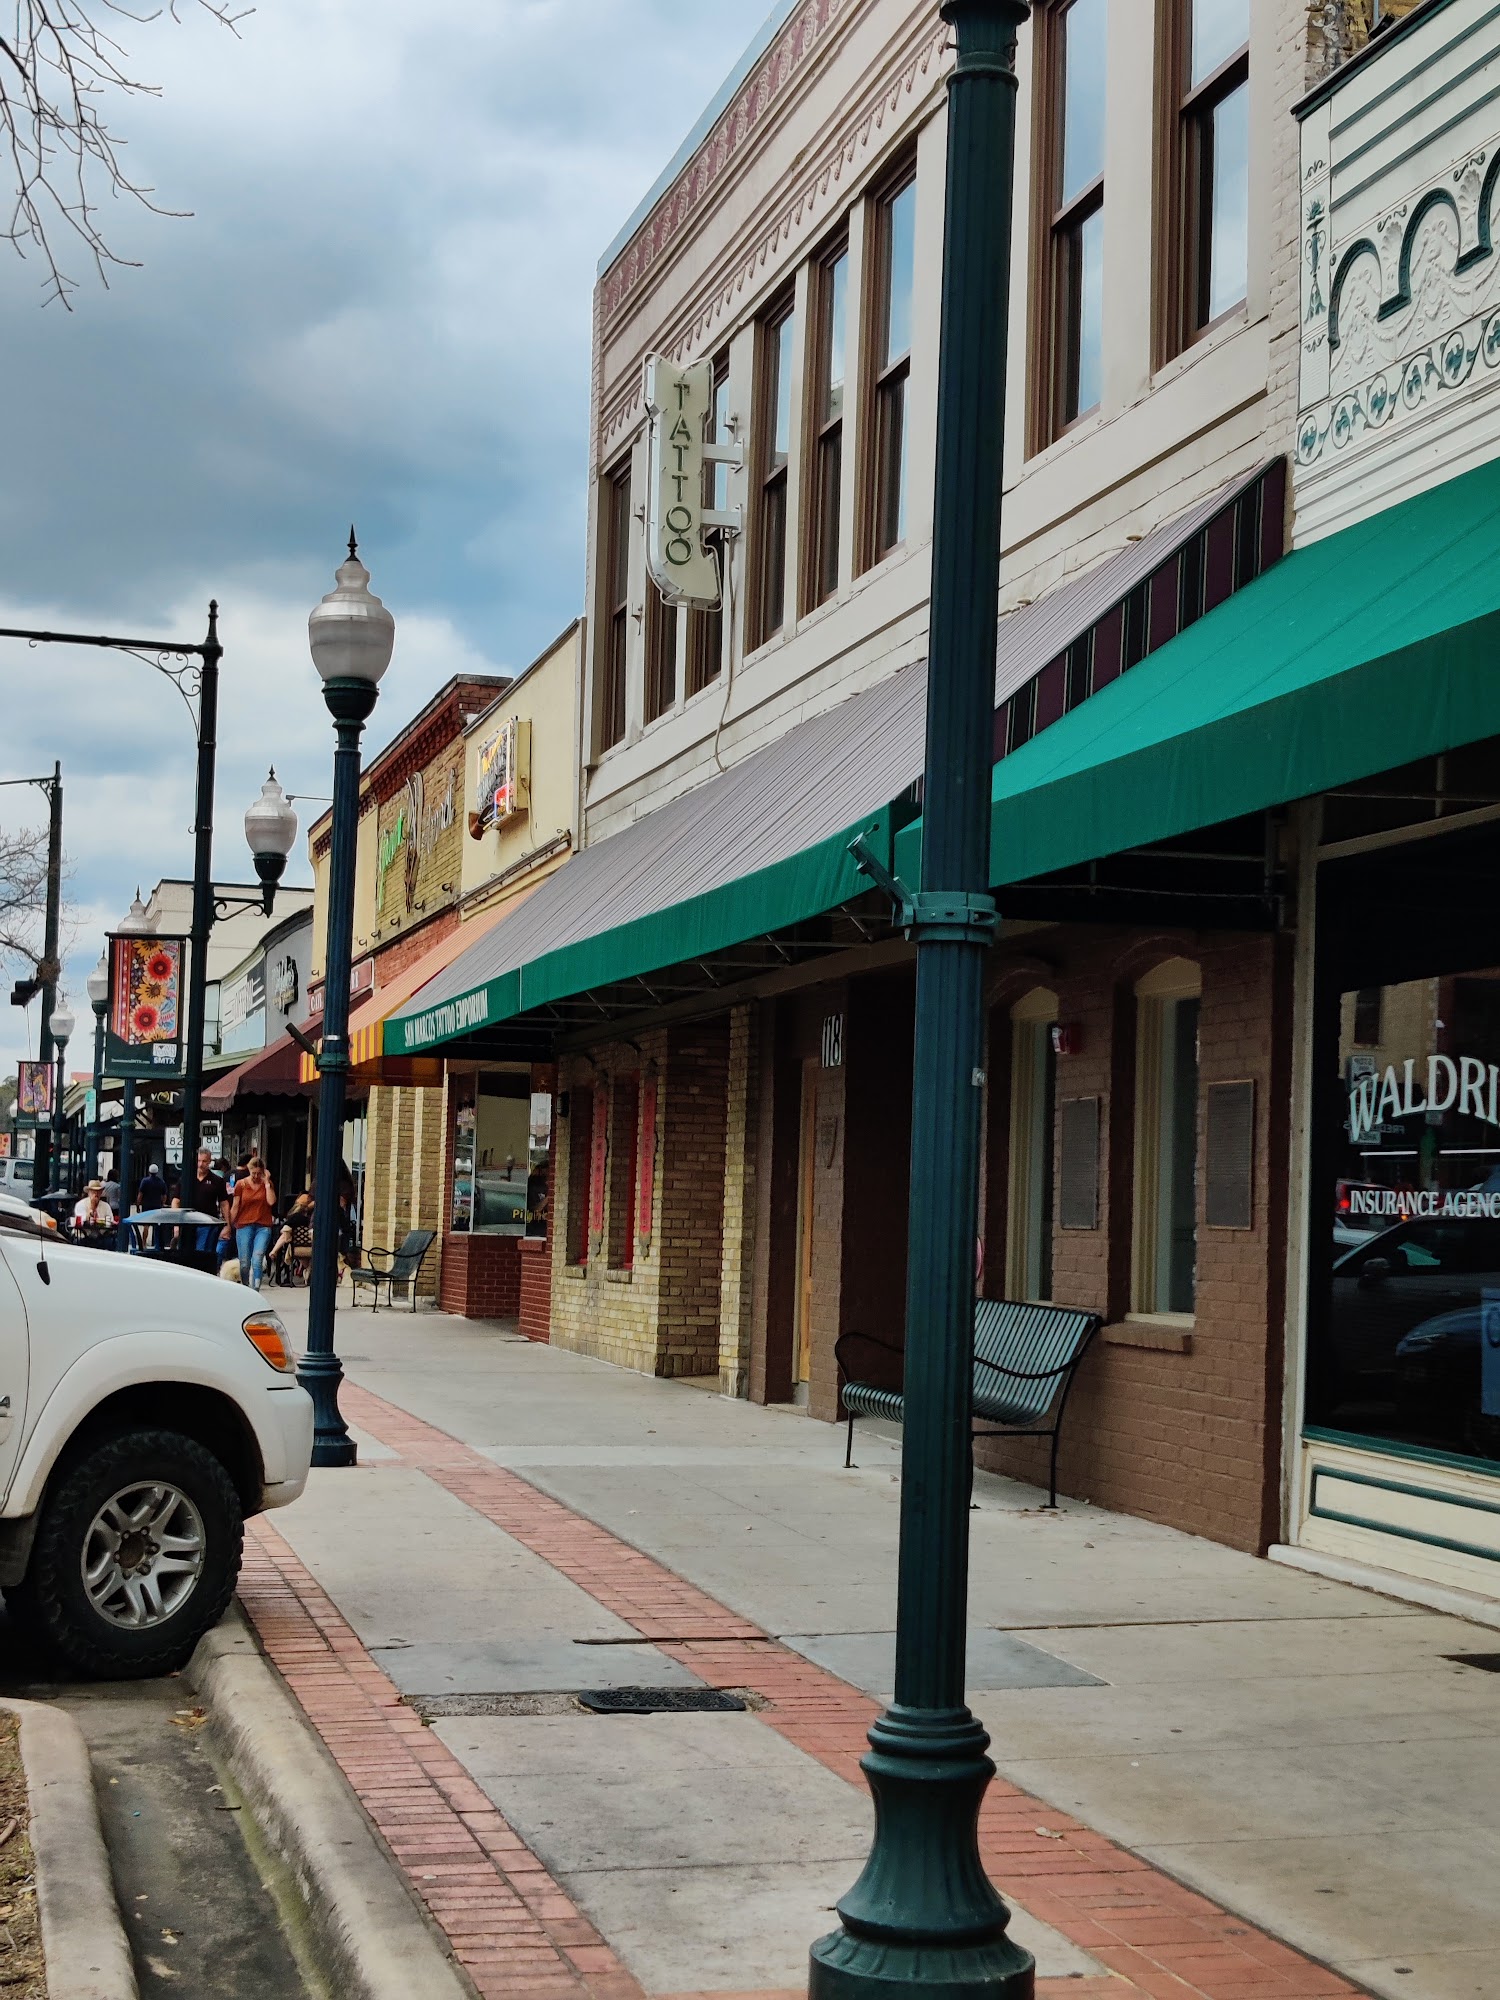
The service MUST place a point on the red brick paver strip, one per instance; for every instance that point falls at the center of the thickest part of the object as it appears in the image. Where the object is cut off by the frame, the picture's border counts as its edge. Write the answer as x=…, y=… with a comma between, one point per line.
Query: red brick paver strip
x=517, y=1935
x=1156, y=1936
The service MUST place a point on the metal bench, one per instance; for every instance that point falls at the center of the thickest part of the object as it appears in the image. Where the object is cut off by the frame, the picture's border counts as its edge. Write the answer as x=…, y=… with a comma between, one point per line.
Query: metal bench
x=1025, y=1358
x=392, y=1267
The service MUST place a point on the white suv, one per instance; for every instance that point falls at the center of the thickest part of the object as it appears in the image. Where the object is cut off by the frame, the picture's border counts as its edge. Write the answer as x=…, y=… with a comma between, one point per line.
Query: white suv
x=145, y=1411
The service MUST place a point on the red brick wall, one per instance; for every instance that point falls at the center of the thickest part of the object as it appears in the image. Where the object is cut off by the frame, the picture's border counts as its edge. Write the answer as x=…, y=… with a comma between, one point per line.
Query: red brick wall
x=535, y=1306
x=1190, y=1437
x=481, y=1277
x=393, y=959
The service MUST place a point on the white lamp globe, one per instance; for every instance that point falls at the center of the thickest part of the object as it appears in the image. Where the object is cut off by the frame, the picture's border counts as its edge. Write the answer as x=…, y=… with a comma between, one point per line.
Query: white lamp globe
x=271, y=823
x=350, y=632
x=62, y=1022
x=135, y=922
x=97, y=985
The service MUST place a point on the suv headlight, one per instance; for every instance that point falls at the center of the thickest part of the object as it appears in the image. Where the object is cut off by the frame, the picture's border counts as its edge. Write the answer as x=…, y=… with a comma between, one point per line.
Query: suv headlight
x=267, y=1336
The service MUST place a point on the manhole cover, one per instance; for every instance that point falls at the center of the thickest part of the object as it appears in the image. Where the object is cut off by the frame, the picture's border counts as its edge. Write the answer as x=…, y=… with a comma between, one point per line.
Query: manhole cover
x=1487, y=1663
x=659, y=1701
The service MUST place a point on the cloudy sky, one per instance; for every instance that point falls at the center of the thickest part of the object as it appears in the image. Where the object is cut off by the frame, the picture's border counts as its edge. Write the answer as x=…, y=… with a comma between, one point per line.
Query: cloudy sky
x=378, y=311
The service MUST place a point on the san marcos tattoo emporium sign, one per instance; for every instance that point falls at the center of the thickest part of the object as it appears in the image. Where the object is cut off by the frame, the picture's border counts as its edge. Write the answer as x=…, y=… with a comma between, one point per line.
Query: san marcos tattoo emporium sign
x=143, y=1022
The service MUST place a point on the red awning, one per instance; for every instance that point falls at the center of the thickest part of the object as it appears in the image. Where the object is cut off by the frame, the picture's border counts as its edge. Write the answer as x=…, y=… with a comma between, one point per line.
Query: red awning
x=274, y=1071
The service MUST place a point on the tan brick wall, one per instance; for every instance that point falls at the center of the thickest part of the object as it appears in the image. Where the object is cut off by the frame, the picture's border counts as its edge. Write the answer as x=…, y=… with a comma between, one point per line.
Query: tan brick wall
x=662, y=1315
x=404, y=1177
x=736, y=1281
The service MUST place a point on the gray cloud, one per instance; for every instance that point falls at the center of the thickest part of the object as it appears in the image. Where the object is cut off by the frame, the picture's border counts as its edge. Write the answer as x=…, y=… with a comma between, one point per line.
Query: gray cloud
x=379, y=309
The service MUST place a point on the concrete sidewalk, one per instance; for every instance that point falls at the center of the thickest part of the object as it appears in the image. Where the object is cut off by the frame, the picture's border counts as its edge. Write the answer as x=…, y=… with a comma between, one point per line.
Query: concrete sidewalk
x=1311, y=1758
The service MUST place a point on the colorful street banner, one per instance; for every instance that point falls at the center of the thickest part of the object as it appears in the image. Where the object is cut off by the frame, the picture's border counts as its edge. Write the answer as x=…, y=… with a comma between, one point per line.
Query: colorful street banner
x=143, y=1021
x=34, y=1094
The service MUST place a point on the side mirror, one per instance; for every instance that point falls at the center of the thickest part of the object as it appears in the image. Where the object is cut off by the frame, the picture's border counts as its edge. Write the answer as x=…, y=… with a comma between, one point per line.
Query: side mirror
x=1374, y=1271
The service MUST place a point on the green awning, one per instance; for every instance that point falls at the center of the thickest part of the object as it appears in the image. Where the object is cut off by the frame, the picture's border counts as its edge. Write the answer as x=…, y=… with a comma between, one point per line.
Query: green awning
x=1357, y=654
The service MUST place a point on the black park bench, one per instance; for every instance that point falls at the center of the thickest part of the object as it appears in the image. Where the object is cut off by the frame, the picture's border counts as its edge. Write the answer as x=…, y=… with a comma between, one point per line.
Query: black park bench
x=1025, y=1358
x=391, y=1268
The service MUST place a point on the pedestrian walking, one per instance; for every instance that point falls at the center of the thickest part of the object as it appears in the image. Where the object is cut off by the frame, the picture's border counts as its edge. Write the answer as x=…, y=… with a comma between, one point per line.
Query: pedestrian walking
x=151, y=1191
x=210, y=1196
x=252, y=1213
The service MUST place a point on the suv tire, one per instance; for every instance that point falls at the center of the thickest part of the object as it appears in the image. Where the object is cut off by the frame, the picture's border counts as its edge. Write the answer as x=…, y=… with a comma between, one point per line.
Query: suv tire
x=136, y=1556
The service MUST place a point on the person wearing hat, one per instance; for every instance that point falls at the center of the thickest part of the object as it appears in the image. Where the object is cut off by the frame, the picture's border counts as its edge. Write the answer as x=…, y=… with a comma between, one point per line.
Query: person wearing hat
x=93, y=1211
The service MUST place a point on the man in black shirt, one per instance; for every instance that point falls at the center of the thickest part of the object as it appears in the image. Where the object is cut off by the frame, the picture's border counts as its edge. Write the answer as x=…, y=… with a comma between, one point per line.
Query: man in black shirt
x=208, y=1194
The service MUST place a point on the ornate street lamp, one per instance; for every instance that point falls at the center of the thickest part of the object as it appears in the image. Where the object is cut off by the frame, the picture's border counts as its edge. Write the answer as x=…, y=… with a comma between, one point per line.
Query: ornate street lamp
x=924, y=1917
x=62, y=1024
x=351, y=635
x=97, y=988
x=270, y=830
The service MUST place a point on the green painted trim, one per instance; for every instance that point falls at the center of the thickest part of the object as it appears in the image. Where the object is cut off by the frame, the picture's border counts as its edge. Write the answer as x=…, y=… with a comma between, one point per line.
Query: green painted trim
x=1420, y=1454
x=1420, y=69
x=1371, y=52
x=1387, y=1528
x=1400, y=1486
x=1343, y=195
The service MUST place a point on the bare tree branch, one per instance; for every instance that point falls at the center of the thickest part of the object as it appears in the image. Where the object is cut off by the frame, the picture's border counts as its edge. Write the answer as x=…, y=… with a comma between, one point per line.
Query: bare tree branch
x=60, y=71
x=23, y=894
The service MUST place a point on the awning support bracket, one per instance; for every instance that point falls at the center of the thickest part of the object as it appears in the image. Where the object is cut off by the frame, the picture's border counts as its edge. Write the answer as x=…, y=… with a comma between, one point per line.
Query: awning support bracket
x=955, y=916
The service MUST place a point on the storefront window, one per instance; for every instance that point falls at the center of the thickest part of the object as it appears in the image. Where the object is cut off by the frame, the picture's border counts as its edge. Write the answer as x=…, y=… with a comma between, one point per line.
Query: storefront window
x=1404, y=1335
x=492, y=1158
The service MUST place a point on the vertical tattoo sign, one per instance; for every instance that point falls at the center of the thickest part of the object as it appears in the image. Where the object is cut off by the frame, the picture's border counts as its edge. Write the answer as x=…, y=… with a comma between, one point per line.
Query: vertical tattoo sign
x=678, y=401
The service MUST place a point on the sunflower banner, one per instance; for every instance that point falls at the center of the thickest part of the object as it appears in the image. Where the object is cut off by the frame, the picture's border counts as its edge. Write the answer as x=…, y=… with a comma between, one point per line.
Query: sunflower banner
x=143, y=1022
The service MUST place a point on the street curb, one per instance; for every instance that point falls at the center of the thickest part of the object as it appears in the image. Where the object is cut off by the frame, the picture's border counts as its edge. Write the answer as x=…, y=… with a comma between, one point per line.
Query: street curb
x=83, y=1938
x=374, y=1940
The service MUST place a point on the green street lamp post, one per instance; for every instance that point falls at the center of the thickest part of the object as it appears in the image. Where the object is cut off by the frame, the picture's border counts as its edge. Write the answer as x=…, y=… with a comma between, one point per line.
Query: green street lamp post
x=924, y=1917
x=351, y=635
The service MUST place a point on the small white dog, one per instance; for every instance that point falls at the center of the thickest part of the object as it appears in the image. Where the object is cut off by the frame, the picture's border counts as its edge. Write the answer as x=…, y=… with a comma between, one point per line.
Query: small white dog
x=230, y=1269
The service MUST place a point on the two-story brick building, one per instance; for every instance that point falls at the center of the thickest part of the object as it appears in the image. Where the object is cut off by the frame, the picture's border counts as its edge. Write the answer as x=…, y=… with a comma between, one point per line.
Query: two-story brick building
x=1223, y=696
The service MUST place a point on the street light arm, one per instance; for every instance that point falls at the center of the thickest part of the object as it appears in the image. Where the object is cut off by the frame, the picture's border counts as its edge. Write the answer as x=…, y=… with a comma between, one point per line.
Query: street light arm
x=164, y=646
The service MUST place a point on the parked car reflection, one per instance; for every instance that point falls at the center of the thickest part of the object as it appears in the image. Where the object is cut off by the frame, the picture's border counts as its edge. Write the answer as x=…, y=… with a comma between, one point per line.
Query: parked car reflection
x=1392, y=1282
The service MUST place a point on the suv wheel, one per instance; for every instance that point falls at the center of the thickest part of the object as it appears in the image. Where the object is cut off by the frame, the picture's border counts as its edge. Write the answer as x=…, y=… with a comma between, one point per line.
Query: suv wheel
x=136, y=1556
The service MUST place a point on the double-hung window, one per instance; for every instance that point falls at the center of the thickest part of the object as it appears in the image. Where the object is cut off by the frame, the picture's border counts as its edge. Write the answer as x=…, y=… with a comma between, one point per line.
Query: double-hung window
x=661, y=653
x=774, y=429
x=895, y=253
x=831, y=277
x=1071, y=123
x=616, y=569
x=1211, y=60
x=1166, y=1139
x=705, y=634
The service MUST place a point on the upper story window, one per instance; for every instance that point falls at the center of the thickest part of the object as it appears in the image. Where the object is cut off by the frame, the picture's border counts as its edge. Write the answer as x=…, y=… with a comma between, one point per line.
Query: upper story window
x=1070, y=123
x=616, y=572
x=773, y=455
x=661, y=653
x=1210, y=55
x=831, y=279
x=895, y=256
x=705, y=634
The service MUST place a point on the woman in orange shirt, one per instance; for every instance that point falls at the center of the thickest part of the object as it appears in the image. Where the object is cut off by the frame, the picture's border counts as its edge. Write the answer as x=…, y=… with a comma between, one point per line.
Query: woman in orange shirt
x=251, y=1216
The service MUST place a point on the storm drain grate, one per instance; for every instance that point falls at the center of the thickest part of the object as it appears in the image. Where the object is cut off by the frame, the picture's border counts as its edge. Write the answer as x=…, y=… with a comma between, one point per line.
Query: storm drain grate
x=1487, y=1663
x=660, y=1701
x=600, y=1701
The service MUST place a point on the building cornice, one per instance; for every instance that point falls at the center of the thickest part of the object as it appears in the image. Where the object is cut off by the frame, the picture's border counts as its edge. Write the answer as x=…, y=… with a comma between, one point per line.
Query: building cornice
x=915, y=63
